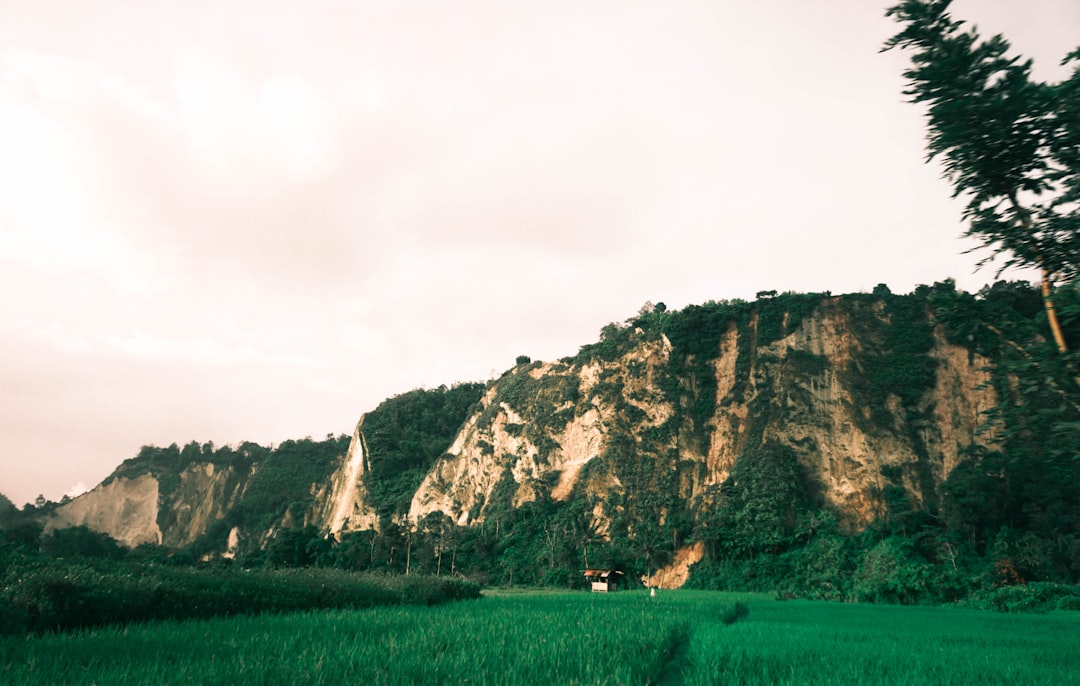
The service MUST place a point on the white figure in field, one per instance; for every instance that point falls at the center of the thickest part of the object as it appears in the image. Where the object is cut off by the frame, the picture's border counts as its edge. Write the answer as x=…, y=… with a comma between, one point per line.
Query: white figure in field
x=652, y=592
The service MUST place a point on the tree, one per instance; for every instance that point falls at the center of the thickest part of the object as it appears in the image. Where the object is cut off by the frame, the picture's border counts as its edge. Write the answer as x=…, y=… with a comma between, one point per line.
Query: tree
x=80, y=541
x=437, y=529
x=763, y=497
x=1010, y=145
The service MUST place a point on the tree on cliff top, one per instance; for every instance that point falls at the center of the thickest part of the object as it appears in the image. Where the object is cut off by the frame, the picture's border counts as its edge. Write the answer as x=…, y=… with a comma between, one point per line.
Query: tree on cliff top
x=1010, y=145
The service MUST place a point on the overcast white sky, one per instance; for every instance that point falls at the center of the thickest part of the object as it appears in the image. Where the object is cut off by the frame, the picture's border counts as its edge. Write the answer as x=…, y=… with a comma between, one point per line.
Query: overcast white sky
x=254, y=221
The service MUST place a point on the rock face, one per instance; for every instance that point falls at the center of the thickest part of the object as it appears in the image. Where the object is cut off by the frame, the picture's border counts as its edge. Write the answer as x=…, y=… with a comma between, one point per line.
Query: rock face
x=134, y=511
x=538, y=428
x=344, y=506
x=675, y=574
x=205, y=495
x=126, y=509
x=208, y=498
x=865, y=392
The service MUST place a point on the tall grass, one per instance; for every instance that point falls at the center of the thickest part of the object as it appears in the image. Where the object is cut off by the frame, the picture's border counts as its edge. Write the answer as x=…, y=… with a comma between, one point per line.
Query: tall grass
x=58, y=595
x=543, y=639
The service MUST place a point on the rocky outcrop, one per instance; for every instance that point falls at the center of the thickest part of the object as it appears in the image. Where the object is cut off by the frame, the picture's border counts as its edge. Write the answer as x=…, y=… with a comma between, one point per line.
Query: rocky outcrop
x=135, y=510
x=205, y=494
x=343, y=504
x=677, y=572
x=806, y=390
x=126, y=509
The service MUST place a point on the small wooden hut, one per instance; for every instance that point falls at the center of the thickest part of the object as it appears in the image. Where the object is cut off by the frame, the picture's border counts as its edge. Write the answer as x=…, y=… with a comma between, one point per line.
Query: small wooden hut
x=604, y=580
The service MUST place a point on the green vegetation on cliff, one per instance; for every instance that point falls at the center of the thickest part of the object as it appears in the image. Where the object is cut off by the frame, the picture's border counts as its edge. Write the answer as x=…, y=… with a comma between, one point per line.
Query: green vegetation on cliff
x=405, y=435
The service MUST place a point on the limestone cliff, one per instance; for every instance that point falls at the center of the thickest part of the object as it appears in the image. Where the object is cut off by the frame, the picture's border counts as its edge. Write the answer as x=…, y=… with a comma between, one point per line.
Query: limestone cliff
x=812, y=388
x=343, y=502
x=207, y=497
x=865, y=391
x=126, y=509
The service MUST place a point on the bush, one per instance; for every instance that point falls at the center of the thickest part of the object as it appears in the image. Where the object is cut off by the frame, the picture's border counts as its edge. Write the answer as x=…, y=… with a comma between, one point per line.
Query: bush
x=54, y=595
x=734, y=613
x=1069, y=602
x=892, y=572
x=1034, y=597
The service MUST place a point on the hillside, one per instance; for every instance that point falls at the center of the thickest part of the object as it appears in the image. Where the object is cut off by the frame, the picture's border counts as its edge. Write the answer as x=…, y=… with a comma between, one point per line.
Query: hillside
x=728, y=436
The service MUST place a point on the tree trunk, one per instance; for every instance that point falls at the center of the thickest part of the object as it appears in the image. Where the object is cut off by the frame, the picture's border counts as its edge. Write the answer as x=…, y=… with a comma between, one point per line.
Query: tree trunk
x=1044, y=273
x=1051, y=313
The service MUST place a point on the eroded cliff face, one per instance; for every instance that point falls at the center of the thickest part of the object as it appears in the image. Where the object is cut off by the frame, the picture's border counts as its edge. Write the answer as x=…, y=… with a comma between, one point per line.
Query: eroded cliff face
x=136, y=511
x=807, y=391
x=205, y=494
x=126, y=509
x=567, y=428
x=564, y=424
x=343, y=503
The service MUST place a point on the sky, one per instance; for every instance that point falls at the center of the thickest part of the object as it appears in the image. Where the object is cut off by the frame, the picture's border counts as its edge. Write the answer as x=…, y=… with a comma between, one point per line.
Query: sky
x=231, y=220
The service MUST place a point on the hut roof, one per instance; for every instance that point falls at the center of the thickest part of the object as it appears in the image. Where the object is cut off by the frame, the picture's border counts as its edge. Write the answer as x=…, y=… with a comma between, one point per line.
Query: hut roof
x=600, y=573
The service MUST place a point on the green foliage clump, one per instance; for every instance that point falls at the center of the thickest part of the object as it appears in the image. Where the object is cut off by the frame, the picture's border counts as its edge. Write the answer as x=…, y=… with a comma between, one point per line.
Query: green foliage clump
x=734, y=612
x=1069, y=602
x=780, y=315
x=1037, y=597
x=80, y=541
x=406, y=434
x=761, y=502
x=282, y=482
x=892, y=572
x=615, y=341
x=900, y=363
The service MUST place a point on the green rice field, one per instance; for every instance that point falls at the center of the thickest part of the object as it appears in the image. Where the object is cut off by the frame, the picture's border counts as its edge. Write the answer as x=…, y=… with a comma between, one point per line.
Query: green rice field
x=549, y=639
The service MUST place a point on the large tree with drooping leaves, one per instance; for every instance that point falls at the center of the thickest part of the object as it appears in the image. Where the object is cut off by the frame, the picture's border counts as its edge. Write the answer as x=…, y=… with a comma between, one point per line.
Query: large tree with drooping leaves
x=1010, y=144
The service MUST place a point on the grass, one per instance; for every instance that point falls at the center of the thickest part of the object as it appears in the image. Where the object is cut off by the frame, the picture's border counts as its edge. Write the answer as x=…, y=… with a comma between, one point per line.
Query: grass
x=569, y=638
x=804, y=642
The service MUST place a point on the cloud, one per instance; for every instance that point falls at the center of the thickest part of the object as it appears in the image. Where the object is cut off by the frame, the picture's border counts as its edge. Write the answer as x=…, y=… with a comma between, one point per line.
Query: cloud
x=51, y=214
x=234, y=123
